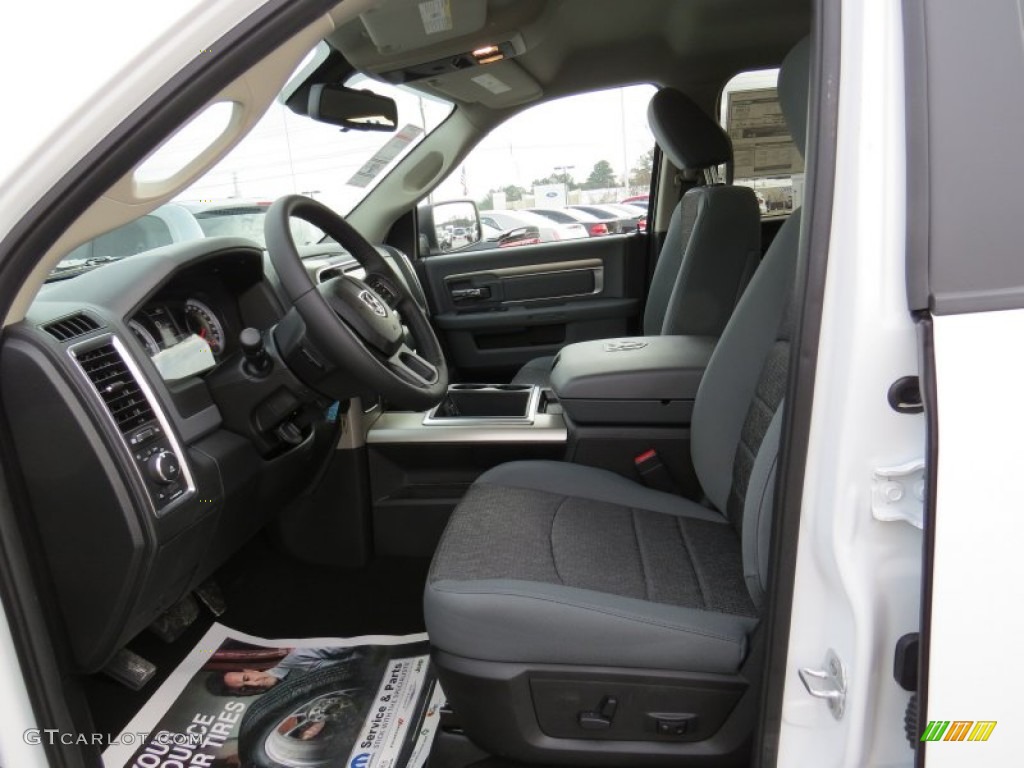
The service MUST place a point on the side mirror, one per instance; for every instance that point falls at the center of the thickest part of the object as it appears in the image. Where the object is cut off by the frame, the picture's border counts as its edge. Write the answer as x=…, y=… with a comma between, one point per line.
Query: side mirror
x=450, y=225
x=352, y=109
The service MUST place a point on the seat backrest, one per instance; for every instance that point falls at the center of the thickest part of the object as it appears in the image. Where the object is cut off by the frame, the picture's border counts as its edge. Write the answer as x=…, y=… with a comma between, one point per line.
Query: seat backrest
x=737, y=414
x=714, y=236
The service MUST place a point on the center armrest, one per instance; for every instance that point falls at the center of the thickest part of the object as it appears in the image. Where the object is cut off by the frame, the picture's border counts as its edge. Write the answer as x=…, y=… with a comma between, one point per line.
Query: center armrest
x=641, y=380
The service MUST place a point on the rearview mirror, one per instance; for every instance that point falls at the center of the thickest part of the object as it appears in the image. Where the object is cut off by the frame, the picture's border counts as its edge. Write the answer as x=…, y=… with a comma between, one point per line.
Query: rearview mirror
x=352, y=109
x=450, y=225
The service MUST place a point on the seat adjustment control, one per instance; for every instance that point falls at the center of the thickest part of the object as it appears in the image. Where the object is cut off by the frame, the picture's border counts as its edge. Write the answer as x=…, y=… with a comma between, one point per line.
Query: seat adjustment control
x=601, y=718
x=672, y=723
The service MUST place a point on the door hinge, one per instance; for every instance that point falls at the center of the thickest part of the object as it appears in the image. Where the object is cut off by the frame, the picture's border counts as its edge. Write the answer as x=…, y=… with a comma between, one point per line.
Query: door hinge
x=897, y=493
x=828, y=683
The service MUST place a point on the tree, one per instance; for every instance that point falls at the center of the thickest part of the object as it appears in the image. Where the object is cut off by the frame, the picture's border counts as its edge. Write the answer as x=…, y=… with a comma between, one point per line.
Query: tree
x=640, y=176
x=558, y=178
x=513, y=193
x=602, y=177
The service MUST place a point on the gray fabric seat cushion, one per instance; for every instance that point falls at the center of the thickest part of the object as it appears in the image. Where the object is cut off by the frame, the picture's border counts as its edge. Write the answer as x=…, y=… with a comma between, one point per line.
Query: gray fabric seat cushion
x=560, y=563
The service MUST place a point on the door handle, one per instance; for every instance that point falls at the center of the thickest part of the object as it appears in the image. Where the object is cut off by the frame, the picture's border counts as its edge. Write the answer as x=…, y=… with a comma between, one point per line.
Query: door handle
x=464, y=294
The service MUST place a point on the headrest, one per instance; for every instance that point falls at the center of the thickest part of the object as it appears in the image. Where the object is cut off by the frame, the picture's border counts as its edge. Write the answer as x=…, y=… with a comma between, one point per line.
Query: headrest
x=794, y=85
x=686, y=133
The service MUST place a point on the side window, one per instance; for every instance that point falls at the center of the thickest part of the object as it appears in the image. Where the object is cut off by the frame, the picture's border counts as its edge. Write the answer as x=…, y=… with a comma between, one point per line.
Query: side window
x=568, y=169
x=764, y=155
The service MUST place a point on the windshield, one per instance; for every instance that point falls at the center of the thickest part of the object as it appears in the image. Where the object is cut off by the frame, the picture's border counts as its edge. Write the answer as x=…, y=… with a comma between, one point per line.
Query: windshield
x=285, y=153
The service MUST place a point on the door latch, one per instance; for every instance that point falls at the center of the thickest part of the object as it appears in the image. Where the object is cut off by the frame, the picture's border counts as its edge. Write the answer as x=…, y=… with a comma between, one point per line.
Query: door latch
x=828, y=683
x=897, y=493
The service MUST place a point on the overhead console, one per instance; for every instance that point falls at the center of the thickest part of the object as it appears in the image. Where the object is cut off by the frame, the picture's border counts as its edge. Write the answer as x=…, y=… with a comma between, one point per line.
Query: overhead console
x=460, y=49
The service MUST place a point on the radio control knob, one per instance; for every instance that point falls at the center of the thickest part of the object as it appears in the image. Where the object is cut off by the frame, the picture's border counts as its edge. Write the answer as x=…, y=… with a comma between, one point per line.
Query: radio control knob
x=163, y=467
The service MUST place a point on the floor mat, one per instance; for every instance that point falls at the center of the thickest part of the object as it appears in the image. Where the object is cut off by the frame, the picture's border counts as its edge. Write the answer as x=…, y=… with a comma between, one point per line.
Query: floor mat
x=238, y=699
x=269, y=594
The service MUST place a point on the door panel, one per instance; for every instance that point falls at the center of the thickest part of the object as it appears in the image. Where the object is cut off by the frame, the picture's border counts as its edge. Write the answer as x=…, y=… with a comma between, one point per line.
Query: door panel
x=499, y=308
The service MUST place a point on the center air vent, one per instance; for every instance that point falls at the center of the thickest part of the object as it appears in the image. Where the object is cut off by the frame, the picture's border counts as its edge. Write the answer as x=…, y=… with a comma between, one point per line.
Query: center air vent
x=71, y=327
x=120, y=391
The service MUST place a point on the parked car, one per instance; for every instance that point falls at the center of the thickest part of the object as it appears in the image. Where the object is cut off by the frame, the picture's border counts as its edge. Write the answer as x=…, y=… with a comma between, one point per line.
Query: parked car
x=618, y=222
x=631, y=212
x=550, y=231
x=595, y=226
x=179, y=222
x=636, y=200
x=510, y=238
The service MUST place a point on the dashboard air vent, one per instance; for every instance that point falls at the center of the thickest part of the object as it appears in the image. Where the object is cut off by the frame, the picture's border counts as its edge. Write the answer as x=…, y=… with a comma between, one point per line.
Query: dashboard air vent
x=120, y=392
x=71, y=327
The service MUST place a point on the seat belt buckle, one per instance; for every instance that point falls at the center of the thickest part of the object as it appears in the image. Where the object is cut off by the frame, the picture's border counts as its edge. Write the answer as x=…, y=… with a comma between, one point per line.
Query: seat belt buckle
x=653, y=472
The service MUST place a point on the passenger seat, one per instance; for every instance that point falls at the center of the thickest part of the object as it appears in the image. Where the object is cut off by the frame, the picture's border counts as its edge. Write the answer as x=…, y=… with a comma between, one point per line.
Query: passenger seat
x=713, y=241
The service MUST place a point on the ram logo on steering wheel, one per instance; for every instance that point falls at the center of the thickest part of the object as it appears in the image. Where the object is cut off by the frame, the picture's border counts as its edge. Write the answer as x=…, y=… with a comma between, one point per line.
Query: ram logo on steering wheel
x=375, y=304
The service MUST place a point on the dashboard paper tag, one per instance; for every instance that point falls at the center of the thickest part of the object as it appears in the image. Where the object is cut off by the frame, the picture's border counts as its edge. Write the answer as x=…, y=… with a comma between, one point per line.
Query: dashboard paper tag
x=186, y=358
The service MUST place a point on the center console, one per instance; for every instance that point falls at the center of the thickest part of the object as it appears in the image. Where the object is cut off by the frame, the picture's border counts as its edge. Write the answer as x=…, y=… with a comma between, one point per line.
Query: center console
x=421, y=464
x=609, y=402
x=628, y=404
x=650, y=380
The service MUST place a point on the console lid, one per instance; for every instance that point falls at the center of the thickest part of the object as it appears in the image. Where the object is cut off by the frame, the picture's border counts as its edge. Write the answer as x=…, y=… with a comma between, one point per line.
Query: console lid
x=641, y=380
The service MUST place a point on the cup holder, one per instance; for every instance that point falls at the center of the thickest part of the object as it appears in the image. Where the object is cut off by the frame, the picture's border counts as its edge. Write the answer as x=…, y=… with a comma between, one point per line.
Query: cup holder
x=486, y=404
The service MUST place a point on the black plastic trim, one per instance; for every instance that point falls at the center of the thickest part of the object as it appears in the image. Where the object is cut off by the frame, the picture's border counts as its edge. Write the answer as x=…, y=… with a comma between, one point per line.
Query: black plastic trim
x=929, y=396
x=809, y=295
x=915, y=66
x=35, y=233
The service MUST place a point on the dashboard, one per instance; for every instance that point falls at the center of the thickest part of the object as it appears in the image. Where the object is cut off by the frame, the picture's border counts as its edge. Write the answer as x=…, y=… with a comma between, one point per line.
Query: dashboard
x=187, y=329
x=142, y=434
x=162, y=326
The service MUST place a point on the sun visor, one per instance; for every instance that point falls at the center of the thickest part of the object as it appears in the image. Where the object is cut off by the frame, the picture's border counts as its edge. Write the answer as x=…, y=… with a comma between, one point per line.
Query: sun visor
x=499, y=85
x=400, y=25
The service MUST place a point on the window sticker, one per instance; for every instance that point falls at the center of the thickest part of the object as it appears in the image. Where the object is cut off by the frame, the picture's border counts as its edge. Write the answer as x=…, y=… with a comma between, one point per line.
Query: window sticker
x=761, y=143
x=373, y=167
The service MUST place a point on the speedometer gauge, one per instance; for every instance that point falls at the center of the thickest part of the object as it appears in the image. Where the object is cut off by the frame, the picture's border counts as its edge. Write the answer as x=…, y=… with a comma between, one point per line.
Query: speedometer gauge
x=204, y=323
x=144, y=337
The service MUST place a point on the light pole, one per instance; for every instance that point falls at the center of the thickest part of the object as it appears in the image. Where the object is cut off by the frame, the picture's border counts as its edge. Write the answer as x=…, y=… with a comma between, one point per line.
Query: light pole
x=564, y=169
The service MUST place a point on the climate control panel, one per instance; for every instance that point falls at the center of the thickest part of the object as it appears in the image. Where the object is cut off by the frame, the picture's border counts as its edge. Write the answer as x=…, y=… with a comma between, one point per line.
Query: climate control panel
x=159, y=466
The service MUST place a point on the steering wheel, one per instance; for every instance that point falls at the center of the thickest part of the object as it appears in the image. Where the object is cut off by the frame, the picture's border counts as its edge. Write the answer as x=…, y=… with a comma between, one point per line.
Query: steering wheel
x=356, y=328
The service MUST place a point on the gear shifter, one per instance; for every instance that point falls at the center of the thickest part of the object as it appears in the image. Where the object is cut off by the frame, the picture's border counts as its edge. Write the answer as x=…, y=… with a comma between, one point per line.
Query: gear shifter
x=257, y=361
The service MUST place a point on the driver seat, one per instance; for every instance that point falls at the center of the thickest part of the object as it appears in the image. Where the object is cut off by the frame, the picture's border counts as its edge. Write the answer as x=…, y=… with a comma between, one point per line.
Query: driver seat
x=579, y=617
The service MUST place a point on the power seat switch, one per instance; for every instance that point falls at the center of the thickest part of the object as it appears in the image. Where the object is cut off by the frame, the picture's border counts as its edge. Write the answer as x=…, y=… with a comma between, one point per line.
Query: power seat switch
x=601, y=718
x=672, y=724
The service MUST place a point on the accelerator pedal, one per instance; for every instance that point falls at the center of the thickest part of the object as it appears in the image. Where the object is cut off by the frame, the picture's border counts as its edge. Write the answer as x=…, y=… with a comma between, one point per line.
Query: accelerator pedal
x=210, y=595
x=173, y=622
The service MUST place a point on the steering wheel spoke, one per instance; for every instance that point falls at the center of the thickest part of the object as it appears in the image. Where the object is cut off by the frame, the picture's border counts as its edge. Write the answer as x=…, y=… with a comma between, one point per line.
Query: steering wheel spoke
x=374, y=332
x=408, y=364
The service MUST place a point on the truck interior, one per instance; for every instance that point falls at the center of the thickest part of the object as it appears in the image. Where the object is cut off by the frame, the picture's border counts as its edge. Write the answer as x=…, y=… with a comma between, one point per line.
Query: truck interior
x=558, y=459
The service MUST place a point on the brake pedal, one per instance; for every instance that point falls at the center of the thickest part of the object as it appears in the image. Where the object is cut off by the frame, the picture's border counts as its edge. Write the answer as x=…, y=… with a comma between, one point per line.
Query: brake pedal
x=210, y=595
x=171, y=624
x=130, y=669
